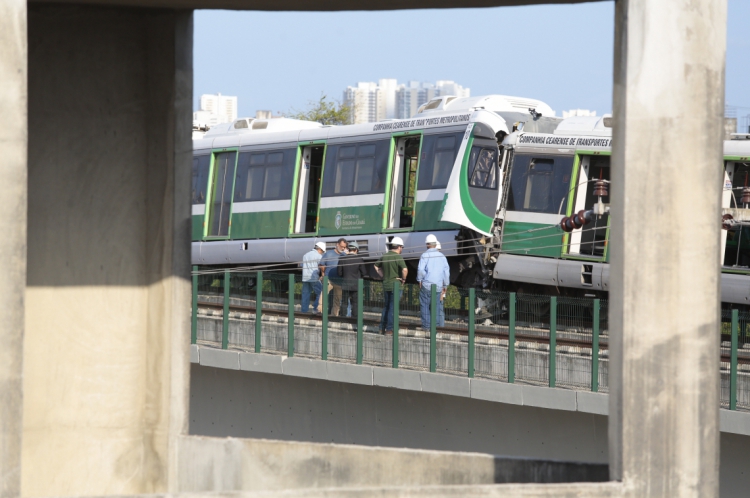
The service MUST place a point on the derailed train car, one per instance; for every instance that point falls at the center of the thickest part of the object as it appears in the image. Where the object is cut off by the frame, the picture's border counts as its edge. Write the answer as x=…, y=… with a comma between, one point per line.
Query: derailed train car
x=554, y=237
x=264, y=191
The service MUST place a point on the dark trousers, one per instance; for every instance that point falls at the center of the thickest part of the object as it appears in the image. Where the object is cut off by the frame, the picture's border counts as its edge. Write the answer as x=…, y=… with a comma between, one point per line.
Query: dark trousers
x=386, y=319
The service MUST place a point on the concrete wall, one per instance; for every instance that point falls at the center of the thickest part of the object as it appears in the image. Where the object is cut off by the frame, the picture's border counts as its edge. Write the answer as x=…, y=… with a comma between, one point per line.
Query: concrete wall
x=107, y=310
x=13, y=140
x=247, y=404
x=237, y=403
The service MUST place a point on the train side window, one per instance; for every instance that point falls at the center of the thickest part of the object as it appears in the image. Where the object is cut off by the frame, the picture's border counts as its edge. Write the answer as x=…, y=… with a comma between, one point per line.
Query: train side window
x=539, y=184
x=438, y=156
x=201, y=165
x=356, y=169
x=264, y=176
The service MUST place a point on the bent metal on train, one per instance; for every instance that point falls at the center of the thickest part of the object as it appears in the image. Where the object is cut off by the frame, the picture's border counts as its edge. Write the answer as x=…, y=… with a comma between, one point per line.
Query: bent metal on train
x=517, y=198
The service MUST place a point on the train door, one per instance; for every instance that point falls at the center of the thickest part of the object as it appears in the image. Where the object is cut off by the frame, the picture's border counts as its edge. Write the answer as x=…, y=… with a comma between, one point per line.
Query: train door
x=403, y=187
x=307, y=196
x=591, y=240
x=220, y=194
x=737, y=245
x=473, y=192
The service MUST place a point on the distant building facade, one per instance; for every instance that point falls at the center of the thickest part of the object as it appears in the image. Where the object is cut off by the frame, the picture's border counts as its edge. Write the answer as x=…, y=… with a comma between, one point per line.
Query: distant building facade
x=387, y=99
x=215, y=109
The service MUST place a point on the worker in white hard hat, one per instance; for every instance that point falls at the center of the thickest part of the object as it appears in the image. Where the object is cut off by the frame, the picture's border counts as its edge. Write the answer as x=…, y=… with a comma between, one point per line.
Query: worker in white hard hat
x=433, y=270
x=392, y=267
x=310, y=274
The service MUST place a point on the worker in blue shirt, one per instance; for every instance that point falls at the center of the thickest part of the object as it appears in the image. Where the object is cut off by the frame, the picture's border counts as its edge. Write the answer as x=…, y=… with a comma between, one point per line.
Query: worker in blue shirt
x=433, y=269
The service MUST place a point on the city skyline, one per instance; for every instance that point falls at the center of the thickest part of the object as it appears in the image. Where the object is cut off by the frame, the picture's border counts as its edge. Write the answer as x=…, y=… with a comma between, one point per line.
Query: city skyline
x=560, y=64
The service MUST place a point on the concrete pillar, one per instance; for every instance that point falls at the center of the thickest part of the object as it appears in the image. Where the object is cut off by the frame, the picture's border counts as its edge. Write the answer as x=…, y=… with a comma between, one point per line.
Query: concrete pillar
x=107, y=343
x=664, y=316
x=13, y=139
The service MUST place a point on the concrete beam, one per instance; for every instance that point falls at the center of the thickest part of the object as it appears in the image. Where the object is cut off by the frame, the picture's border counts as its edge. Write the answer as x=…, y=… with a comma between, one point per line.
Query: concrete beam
x=664, y=377
x=13, y=174
x=324, y=5
x=213, y=464
x=108, y=231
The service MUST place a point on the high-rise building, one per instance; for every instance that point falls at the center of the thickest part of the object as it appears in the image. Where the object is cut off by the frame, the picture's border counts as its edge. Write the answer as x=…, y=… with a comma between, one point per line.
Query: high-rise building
x=366, y=102
x=412, y=95
x=215, y=109
x=387, y=99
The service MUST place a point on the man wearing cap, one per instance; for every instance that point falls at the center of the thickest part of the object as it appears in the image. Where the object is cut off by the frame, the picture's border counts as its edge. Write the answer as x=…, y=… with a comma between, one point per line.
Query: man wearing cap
x=310, y=280
x=327, y=266
x=433, y=269
x=351, y=268
x=392, y=268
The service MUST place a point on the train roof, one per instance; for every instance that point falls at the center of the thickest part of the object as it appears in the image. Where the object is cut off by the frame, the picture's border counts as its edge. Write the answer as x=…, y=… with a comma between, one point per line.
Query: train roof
x=494, y=110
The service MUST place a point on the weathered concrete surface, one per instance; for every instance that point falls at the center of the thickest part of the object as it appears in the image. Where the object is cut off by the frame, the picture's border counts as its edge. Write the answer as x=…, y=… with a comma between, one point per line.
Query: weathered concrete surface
x=318, y=5
x=13, y=141
x=107, y=345
x=258, y=405
x=664, y=380
x=213, y=464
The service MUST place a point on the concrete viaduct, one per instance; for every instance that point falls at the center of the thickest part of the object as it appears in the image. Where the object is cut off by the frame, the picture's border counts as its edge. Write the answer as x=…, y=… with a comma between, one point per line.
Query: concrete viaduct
x=95, y=371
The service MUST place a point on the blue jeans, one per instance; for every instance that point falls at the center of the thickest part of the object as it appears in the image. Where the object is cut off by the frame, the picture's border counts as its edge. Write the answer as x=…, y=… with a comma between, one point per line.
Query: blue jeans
x=425, y=295
x=386, y=318
x=308, y=287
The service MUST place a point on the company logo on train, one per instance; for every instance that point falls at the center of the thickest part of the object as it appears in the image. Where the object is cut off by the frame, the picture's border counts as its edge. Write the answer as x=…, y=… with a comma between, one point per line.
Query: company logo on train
x=517, y=198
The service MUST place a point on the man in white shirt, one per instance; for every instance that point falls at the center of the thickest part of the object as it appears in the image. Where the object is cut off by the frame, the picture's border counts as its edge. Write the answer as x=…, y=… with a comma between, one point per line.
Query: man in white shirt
x=310, y=277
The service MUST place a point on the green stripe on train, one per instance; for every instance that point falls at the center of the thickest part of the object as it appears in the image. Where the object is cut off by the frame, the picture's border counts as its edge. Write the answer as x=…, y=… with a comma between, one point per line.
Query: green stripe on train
x=517, y=239
x=262, y=225
x=350, y=220
x=197, y=227
x=428, y=217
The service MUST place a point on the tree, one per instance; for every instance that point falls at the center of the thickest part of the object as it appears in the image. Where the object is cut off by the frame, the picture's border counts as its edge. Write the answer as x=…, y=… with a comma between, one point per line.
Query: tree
x=326, y=112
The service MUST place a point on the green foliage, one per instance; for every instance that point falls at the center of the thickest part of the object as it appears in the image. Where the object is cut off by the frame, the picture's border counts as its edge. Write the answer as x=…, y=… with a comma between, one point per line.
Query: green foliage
x=324, y=111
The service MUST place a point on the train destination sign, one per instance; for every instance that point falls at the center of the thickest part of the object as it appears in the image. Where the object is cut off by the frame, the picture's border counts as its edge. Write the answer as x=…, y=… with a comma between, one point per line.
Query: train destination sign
x=414, y=123
x=565, y=141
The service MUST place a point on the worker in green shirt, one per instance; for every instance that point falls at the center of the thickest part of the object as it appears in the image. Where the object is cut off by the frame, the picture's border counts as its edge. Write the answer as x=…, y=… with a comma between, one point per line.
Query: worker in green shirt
x=392, y=268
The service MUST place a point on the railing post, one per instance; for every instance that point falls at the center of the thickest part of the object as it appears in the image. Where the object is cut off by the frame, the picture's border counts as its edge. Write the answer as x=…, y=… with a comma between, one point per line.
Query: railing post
x=290, y=306
x=360, y=320
x=472, y=301
x=512, y=338
x=733, y=363
x=433, y=328
x=225, y=319
x=396, y=295
x=324, y=320
x=595, y=349
x=258, y=309
x=552, y=341
x=194, y=312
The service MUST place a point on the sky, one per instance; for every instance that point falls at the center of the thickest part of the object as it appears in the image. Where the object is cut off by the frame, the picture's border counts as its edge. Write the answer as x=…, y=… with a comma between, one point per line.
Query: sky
x=560, y=54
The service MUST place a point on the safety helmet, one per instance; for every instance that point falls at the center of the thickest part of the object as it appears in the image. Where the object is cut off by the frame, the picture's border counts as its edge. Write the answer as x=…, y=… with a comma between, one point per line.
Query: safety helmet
x=397, y=241
x=431, y=239
x=321, y=246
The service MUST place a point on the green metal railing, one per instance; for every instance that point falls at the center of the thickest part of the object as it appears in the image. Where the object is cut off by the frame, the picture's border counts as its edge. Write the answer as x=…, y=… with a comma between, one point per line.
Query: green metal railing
x=489, y=334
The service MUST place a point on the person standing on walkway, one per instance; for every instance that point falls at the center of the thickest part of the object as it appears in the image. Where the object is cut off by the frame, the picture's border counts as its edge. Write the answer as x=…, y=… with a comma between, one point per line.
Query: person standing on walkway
x=392, y=268
x=328, y=264
x=351, y=268
x=433, y=269
x=310, y=276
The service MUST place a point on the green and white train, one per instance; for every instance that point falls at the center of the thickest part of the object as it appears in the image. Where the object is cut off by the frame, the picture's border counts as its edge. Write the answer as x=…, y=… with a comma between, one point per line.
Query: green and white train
x=495, y=178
